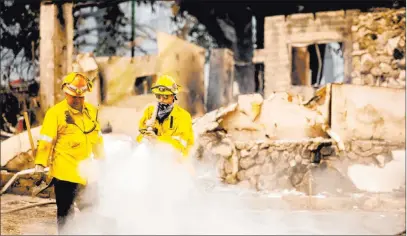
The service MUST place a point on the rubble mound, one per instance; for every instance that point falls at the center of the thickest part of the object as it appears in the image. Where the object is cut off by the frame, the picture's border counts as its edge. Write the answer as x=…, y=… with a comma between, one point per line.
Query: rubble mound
x=253, y=118
x=283, y=142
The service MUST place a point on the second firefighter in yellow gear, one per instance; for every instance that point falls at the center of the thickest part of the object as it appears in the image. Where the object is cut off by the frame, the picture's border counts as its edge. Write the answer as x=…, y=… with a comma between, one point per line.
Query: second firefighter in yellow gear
x=70, y=134
x=173, y=124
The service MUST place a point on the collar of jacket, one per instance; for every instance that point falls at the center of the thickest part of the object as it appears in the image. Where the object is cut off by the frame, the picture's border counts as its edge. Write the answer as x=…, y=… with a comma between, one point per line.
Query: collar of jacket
x=74, y=111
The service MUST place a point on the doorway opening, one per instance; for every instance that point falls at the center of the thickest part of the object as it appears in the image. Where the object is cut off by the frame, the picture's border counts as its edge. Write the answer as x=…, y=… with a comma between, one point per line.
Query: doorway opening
x=317, y=64
x=259, y=78
x=143, y=84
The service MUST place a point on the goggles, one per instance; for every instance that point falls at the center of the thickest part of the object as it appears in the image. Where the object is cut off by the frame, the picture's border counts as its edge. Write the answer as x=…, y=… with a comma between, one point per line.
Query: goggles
x=77, y=90
x=162, y=88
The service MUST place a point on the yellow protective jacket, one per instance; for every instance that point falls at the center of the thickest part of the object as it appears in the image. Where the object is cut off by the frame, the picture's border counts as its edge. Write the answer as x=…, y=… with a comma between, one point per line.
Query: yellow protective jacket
x=176, y=129
x=62, y=146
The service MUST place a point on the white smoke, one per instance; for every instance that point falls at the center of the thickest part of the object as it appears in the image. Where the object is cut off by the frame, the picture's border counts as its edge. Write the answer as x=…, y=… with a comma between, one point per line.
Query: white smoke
x=142, y=189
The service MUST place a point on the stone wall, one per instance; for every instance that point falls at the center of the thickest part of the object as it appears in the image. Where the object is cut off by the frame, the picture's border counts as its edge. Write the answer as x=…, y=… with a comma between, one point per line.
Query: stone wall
x=281, y=33
x=373, y=45
x=311, y=166
x=379, y=43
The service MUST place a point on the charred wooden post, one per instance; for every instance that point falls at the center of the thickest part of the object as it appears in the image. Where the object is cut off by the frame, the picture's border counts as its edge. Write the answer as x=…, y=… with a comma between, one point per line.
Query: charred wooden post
x=56, y=48
x=220, y=85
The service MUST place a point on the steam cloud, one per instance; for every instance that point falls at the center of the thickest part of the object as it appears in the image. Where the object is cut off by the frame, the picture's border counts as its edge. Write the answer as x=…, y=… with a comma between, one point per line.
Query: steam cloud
x=143, y=190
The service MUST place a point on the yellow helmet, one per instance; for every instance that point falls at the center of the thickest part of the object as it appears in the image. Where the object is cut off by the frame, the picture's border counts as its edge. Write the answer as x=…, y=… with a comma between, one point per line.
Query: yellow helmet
x=165, y=85
x=76, y=84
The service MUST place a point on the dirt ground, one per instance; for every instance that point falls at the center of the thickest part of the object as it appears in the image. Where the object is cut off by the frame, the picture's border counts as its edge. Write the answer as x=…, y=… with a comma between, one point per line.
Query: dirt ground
x=42, y=220
x=33, y=221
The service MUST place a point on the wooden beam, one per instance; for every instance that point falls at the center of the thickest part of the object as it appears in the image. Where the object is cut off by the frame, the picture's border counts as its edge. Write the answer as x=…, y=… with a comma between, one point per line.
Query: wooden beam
x=56, y=47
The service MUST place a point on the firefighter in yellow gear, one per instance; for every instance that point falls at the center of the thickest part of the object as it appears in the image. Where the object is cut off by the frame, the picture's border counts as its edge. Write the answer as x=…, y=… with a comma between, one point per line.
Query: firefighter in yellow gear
x=69, y=135
x=173, y=124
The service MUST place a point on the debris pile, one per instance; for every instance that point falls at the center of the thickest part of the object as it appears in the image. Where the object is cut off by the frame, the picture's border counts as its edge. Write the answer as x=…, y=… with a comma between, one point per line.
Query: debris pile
x=263, y=144
x=284, y=143
x=379, y=48
x=281, y=116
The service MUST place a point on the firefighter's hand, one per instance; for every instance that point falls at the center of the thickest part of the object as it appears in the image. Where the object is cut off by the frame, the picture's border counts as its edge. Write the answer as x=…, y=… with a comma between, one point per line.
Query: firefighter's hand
x=150, y=135
x=39, y=169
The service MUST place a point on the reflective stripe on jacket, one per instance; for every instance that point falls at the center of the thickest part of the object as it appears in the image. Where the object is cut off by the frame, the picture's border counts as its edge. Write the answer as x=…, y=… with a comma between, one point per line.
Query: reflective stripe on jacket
x=62, y=145
x=176, y=129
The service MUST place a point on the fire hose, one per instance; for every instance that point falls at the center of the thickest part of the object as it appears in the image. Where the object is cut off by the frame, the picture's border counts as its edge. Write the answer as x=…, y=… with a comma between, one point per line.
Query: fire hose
x=23, y=172
x=28, y=206
x=36, y=190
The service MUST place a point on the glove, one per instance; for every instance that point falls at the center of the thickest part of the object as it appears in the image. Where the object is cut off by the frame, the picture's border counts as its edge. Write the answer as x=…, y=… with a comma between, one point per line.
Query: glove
x=39, y=169
x=150, y=136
